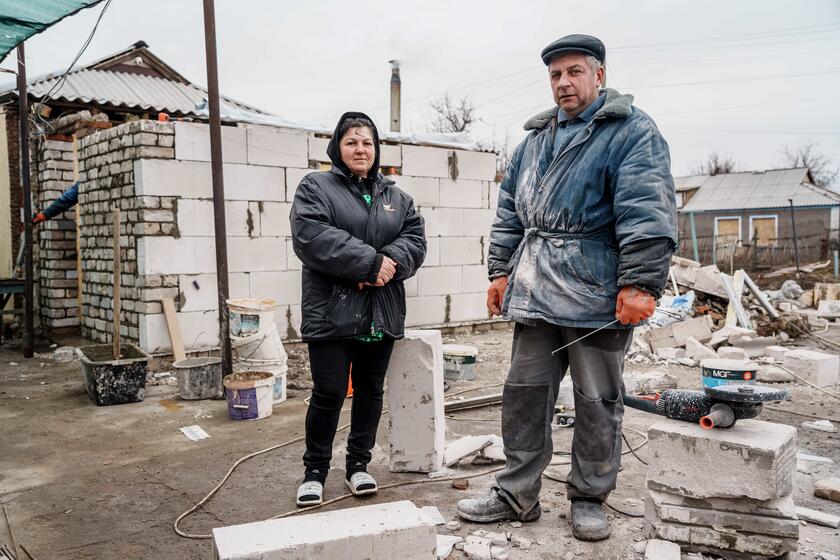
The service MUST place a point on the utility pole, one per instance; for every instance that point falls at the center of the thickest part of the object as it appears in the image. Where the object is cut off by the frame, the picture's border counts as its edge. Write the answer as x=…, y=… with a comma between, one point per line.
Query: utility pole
x=23, y=110
x=795, y=242
x=218, y=183
x=396, y=94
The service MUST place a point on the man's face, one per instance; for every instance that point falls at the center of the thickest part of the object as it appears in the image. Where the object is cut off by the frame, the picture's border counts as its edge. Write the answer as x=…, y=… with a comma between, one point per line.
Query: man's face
x=573, y=82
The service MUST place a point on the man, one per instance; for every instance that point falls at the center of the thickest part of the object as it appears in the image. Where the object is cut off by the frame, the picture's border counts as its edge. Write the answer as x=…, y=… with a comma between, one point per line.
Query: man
x=66, y=201
x=583, y=236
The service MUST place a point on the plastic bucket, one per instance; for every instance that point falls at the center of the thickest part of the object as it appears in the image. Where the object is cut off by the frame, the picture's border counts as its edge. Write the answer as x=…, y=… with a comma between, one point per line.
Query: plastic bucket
x=278, y=369
x=109, y=381
x=459, y=361
x=249, y=395
x=199, y=378
x=722, y=371
x=250, y=316
x=260, y=346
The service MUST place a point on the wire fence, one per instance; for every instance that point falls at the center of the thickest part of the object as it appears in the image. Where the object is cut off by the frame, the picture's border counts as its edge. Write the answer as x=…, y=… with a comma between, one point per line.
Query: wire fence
x=730, y=253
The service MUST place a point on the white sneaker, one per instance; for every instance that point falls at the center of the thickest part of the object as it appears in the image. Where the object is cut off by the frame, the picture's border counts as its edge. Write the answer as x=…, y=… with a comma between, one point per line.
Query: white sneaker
x=310, y=494
x=361, y=483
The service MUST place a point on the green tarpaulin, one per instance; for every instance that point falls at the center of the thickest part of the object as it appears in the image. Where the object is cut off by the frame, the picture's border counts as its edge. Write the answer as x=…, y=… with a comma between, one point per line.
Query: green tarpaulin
x=21, y=19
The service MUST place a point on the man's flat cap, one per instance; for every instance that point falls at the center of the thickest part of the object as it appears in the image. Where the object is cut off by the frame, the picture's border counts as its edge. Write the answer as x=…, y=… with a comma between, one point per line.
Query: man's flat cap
x=586, y=44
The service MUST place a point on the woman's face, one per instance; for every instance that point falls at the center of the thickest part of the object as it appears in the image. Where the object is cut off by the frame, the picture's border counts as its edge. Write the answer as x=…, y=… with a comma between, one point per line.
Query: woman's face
x=358, y=150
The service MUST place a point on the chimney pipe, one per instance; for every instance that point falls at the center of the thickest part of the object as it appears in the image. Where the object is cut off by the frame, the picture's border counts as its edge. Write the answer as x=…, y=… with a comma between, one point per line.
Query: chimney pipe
x=395, y=95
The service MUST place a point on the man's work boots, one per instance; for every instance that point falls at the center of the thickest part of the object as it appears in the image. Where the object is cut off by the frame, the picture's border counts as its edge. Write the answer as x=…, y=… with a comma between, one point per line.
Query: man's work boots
x=589, y=522
x=491, y=508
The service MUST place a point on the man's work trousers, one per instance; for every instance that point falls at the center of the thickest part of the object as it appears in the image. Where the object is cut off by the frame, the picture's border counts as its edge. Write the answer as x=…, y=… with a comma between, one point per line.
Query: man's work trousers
x=596, y=364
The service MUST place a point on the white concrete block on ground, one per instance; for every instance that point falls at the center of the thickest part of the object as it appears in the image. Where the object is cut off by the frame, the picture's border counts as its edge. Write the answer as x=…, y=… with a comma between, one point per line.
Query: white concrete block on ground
x=731, y=353
x=476, y=165
x=777, y=352
x=425, y=161
x=415, y=401
x=257, y=254
x=192, y=142
x=463, y=193
x=254, y=182
x=199, y=291
x=422, y=311
x=439, y=280
x=662, y=550
x=468, y=307
x=754, y=459
x=464, y=447
x=443, y=221
x=283, y=287
x=376, y=532
x=460, y=251
x=268, y=145
x=169, y=177
x=698, y=351
x=425, y=191
x=199, y=330
x=274, y=219
x=818, y=368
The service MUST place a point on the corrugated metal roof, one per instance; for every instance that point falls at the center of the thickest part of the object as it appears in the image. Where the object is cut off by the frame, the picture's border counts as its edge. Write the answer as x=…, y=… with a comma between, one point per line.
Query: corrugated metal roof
x=132, y=91
x=767, y=189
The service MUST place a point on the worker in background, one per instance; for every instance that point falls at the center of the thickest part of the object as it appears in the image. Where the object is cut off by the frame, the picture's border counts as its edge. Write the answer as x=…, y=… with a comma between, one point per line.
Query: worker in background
x=359, y=238
x=582, y=240
x=66, y=201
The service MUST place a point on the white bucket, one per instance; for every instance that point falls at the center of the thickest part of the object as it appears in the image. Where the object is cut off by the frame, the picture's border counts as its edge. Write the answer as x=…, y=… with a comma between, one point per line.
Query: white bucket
x=277, y=369
x=250, y=316
x=459, y=362
x=260, y=346
x=249, y=395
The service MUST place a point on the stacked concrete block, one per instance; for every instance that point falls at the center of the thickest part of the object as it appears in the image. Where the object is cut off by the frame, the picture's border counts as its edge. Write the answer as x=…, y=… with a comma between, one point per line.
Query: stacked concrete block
x=377, y=532
x=725, y=492
x=55, y=240
x=415, y=401
x=820, y=369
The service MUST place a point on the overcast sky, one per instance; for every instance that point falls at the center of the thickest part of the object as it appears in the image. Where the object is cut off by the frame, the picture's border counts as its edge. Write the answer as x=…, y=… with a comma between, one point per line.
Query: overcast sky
x=740, y=77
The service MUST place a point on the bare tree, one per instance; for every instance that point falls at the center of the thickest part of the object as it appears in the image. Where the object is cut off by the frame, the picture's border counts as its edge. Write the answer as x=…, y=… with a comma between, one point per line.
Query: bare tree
x=715, y=164
x=453, y=115
x=823, y=171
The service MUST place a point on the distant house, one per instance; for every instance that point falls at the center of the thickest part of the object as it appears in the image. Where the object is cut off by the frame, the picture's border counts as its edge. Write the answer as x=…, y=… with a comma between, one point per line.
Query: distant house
x=751, y=211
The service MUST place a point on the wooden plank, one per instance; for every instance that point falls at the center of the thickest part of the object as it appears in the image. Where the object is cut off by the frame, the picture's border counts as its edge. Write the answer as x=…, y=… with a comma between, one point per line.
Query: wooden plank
x=117, y=301
x=178, y=352
x=740, y=312
x=732, y=310
x=78, y=232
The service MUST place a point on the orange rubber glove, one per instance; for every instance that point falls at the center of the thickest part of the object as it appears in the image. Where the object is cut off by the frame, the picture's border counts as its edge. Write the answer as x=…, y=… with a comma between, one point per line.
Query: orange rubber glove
x=633, y=305
x=496, y=295
x=39, y=217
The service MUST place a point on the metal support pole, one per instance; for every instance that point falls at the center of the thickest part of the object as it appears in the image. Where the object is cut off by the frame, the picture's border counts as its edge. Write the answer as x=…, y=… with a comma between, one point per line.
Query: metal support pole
x=23, y=110
x=694, y=237
x=795, y=242
x=218, y=182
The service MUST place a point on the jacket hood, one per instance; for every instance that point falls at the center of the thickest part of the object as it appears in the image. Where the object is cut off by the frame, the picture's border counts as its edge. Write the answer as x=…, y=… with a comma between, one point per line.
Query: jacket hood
x=334, y=151
x=616, y=105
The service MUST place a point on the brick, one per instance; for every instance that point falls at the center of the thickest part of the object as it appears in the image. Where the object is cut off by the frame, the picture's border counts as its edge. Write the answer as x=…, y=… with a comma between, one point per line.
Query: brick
x=468, y=307
x=828, y=488
x=415, y=396
x=698, y=351
x=377, y=532
x=275, y=147
x=423, y=311
x=283, y=287
x=254, y=182
x=258, y=254
x=777, y=352
x=187, y=255
x=462, y=193
x=195, y=218
x=754, y=459
x=293, y=178
x=476, y=165
x=274, y=219
x=676, y=334
x=425, y=161
x=199, y=291
x=662, y=550
x=818, y=368
x=460, y=250
x=731, y=353
x=475, y=279
x=443, y=221
x=478, y=222
x=439, y=280
x=192, y=143
x=425, y=191
x=188, y=179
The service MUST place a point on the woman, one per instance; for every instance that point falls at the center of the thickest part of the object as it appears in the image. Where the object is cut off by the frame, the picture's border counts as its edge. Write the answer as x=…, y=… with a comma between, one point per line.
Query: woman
x=359, y=238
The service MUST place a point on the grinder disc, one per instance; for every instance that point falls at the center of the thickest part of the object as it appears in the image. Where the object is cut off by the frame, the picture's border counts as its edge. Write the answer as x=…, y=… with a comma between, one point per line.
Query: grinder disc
x=746, y=393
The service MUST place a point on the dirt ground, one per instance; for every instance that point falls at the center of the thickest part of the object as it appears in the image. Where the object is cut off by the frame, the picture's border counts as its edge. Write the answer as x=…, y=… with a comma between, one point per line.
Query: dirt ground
x=85, y=482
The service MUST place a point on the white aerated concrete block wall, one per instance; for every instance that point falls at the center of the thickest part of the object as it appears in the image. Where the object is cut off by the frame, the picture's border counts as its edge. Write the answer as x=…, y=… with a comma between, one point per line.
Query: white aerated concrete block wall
x=415, y=400
x=375, y=532
x=454, y=190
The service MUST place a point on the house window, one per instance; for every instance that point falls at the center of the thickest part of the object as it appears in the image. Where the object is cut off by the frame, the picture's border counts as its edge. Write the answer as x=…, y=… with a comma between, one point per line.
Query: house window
x=728, y=229
x=764, y=230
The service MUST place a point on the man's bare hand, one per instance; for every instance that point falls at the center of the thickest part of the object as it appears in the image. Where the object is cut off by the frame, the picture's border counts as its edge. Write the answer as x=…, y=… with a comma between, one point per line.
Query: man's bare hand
x=496, y=294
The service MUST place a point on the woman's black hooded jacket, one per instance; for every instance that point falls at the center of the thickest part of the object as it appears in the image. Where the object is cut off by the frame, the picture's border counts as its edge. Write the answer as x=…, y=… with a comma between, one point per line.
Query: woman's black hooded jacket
x=341, y=241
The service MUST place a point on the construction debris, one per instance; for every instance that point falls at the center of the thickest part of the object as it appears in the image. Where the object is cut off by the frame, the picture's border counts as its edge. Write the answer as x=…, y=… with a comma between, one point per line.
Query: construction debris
x=828, y=488
x=818, y=517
